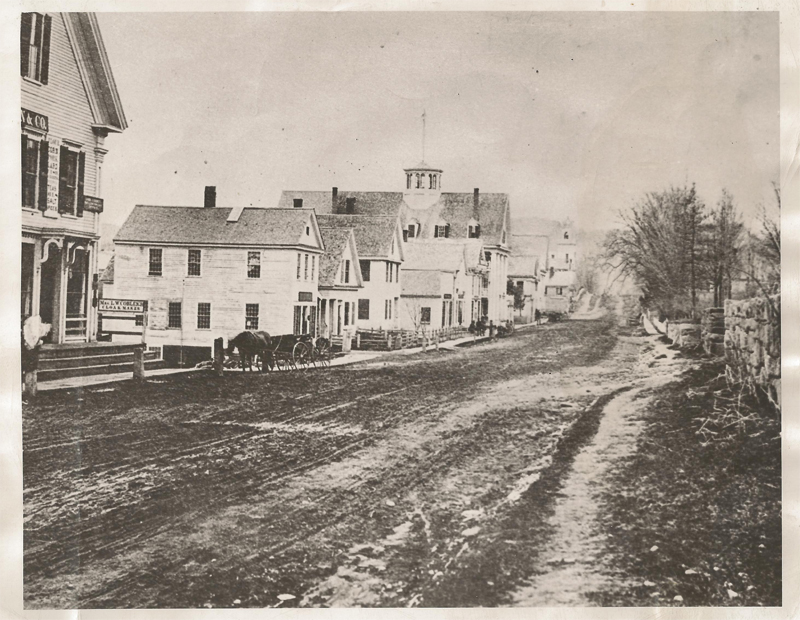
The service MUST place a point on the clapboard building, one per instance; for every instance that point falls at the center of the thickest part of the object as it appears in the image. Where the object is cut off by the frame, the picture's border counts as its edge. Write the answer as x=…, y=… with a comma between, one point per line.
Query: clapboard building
x=209, y=272
x=426, y=212
x=70, y=104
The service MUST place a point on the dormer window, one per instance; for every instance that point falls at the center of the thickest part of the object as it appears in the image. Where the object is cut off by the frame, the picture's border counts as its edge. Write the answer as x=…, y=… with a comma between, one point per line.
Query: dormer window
x=413, y=230
x=442, y=230
x=298, y=203
x=35, y=46
x=474, y=229
x=566, y=234
x=409, y=181
x=350, y=205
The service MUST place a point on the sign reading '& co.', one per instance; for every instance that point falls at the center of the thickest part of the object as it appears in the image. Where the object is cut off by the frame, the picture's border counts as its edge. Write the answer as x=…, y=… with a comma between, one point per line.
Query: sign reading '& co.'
x=32, y=120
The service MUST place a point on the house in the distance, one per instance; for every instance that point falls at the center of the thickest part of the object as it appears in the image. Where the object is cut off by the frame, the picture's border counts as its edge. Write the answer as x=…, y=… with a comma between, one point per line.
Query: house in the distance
x=559, y=290
x=70, y=104
x=209, y=272
x=340, y=282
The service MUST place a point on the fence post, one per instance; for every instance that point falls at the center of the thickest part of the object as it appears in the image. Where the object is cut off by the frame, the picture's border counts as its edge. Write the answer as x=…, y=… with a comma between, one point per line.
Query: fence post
x=389, y=342
x=358, y=340
x=437, y=341
x=31, y=383
x=219, y=357
x=346, y=342
x=138, y=363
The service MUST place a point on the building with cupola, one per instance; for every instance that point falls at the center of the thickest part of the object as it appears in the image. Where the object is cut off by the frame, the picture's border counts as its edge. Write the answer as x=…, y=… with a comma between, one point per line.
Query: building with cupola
x=427, y=213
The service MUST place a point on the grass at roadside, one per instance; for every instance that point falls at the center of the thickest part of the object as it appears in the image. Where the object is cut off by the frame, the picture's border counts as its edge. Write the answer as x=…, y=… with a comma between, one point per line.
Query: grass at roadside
x=697, y=519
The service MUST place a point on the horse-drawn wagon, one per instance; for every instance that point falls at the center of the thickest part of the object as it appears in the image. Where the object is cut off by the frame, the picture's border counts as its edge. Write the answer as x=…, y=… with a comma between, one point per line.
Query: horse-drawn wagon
x=286, y=352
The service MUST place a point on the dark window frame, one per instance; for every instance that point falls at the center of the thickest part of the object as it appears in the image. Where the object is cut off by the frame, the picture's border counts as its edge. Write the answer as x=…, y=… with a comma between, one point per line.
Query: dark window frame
x=151, y=263
x=251, y=315
x=175, y=319
x=198, y=264
x=203, y=316
x=366, y=273
x=254, y=268
x=363, y=309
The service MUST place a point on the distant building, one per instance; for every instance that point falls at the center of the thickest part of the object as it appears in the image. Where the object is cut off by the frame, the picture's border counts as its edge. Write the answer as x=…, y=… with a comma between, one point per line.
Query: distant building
x=340, y=282
x=69, y=106
x=558, y=291
x=524, y=272
x=427, y=213
x=210, y=272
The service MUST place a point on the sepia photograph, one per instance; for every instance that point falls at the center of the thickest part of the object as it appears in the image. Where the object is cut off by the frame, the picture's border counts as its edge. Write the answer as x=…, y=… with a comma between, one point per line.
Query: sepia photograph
x=413, y=309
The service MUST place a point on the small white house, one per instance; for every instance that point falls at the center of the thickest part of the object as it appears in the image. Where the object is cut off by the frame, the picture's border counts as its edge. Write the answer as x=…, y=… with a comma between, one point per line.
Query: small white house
x=340, y=282
x=209, y=272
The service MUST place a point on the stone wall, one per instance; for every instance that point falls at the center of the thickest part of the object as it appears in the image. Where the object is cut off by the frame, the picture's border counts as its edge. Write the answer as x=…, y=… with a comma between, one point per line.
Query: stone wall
x=684, y=335
x=753, y=343
x=712, y=325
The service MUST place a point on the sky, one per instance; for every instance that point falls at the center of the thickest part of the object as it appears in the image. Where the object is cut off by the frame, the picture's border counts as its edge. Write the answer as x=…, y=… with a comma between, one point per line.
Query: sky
x=572, y=114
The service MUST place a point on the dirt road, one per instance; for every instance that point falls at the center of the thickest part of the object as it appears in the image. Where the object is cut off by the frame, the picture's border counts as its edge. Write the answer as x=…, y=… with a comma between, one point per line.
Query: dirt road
x=422, y=480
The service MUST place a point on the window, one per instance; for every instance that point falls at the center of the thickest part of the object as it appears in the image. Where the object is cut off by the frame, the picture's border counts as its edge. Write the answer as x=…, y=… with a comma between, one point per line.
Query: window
x=442, y=231
x=425, y=316
x=299, y=261
x=254, y=264
x=346, y=272
x=305, y=269
x=396, y=300
x=350, y=205
x=397, y=273
x=566, y=234
x=138, y=320
x=313, y=264
x=34, y=46
x=504, y=237
x=308, y=231
x=174, y=315
x=194, y=263
x=34, y=173
x=347, y=313
x=156, y=265
x=298, y=203
x=363, y=309
x=70, y=181
x=412, y=231
x=388, y=271
x=251, y=316
x=386, y=309
x=566, y=258
x=487, y=256
x=156, y=351
x=475, y=231
x=203, y=315
x=365, y=265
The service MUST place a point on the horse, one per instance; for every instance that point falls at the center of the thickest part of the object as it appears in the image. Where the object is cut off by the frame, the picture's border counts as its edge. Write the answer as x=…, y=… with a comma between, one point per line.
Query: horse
x=250, y=343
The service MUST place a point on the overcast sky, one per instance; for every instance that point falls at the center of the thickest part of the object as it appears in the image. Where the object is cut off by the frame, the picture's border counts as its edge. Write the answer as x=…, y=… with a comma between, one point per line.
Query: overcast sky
x=572, y=114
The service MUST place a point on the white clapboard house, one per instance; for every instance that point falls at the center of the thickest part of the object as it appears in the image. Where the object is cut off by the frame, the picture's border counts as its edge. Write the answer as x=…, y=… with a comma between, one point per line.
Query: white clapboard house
x=70, y=104
x=339, y=283
x=209, y=272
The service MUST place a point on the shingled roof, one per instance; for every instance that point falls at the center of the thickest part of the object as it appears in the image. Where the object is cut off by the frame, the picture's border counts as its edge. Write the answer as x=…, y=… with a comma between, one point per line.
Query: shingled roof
x=523, y=266
x=421, y=284
x=373, y=234
x=336, y=239
x=198, y=225
x=455, y=208
x=107, y=277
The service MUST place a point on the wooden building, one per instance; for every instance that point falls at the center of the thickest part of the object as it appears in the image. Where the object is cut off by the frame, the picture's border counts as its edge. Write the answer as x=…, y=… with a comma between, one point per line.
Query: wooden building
x=339, y=282
x=427, y=213
x=69, y=106
x=209, y=272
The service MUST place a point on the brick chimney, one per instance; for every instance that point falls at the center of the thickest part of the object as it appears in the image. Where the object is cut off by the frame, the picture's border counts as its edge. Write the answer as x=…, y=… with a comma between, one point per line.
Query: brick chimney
x=475, y=202
x=210, y=200
x=334, y=195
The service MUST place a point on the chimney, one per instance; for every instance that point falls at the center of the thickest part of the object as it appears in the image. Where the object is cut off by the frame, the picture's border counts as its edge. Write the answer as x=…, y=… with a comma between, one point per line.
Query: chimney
x=475, y=201
x=211, y=197
x=334, y=195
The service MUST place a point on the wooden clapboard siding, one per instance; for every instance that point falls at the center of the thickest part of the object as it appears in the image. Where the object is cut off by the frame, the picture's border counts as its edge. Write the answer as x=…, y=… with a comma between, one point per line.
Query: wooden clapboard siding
x=223, y=283
x=65, y=102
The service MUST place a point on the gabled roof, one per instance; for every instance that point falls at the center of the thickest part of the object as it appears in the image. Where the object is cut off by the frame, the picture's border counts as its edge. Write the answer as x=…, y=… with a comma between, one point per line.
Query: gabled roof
x=198, y=225
x=95, y=70
x=421, y=284
x=434, y=255
x=374, y=234
x=107, y=277
x=523, y=266
x=336, y=241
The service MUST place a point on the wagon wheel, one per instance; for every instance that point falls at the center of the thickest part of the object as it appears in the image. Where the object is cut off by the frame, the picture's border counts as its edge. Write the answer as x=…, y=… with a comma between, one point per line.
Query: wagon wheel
x=300, y=355
x=324, y=353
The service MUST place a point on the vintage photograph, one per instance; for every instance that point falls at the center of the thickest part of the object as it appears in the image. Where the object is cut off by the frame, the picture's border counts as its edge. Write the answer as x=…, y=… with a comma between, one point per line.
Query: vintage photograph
x=400, y=309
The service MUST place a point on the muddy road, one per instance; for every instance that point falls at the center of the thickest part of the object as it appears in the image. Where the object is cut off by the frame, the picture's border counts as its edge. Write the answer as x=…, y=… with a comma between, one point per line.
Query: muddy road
x=412, y=480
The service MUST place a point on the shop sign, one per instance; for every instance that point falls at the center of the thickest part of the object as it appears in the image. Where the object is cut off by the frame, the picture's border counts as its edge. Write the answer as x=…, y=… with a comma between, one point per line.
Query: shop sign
x=304, y=296
x=54, y=155
x=32, y=120
x=92, y=204
x=122, y=305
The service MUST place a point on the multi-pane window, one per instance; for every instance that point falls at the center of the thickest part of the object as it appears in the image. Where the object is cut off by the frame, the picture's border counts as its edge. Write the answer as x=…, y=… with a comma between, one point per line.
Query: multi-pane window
x=195, y=257
x=475, y=231
x=365, y=265
x=388, y=272
x=34, y=46
x=203, y=315
x=156, y=264
x=346, y=272
x=412, y=231
x=305, y=269
x=387, y=309
x=299, y=263
x=313, y=265
x=442, y=231
x=297, y=203
x=425, y=316
x=254, y=264
x=363, y=309
x=70, y=181
x=251, y=316
x=174, y=315
x=396, y=300
x=34, y=173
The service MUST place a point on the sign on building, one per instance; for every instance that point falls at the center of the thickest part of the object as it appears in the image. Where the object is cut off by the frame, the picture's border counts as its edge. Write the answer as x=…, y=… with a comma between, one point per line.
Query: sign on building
x=124, y=318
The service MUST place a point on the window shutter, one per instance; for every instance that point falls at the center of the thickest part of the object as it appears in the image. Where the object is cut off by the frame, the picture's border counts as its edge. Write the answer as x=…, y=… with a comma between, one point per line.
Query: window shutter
x=44, y=152
x=24, y=42
x=477, y=231
x=447, y=230
x=81, y=169
x=435, y=231
x=62, y=180
x=45, y=50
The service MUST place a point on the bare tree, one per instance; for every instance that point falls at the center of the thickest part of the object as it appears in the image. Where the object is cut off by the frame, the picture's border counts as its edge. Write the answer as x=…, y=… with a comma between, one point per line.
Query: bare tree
x=723, y=247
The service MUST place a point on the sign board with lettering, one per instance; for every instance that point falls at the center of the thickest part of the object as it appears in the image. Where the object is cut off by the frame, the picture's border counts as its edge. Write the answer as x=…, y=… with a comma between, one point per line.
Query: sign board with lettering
x=122, y=305
x=92, y=204
x=303, y=296
x=53, y=162
x=32, y=120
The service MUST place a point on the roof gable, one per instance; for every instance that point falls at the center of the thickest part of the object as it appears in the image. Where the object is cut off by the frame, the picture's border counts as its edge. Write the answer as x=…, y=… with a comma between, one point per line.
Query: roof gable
x=340, y=245
x=373, y=234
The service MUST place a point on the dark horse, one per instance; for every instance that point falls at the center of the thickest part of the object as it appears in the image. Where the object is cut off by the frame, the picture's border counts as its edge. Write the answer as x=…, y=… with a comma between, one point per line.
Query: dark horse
x=250, y=343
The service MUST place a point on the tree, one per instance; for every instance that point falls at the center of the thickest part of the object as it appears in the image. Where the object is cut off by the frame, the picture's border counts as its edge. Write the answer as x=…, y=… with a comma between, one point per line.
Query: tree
x=723, y=247
x=660, y=245
x=586, y=274
x=518, y=291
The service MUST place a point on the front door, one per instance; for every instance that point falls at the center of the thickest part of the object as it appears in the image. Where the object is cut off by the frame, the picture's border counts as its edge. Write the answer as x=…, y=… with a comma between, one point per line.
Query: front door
x=49, y=292
x=77, y=297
